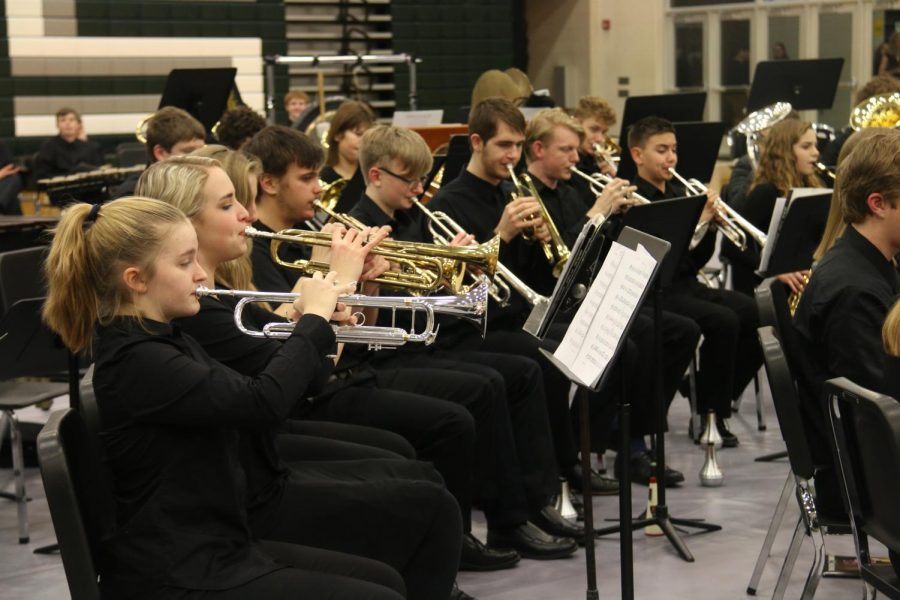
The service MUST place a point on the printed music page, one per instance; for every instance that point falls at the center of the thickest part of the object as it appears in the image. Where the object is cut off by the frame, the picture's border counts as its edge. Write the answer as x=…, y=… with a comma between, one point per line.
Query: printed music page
x=595, y=332
x=772, y=233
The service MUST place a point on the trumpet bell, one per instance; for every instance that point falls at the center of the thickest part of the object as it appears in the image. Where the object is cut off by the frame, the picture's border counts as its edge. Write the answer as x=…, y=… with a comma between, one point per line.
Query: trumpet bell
x=331, y=193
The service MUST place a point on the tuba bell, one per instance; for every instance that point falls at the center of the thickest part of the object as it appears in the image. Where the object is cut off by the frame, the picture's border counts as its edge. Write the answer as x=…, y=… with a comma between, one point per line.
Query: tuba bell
x=882, y=110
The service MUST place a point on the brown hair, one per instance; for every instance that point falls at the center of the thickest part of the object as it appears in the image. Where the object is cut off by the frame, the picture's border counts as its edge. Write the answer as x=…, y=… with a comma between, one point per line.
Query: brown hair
x=873, y=166
x=236, y=273
x=486, y=116
x=541, y=126
x=646, y=128
x=278, y=147
x=883, y=84
x=777, y=163
x=382, y=144
x=238, y=125
x=890, y=333
x=86, y=259
x=349, y=115
x=595, y=107
x=834, y=227
x=170, y=125
x=295, y=95
x=67, y=110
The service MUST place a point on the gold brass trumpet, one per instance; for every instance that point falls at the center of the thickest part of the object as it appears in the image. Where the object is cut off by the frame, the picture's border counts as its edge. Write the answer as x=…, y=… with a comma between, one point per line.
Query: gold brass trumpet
x=825, y=171
x=556, y=251
x=733, y=226
x=443, y=228
x=424, y=268
x=471, y=306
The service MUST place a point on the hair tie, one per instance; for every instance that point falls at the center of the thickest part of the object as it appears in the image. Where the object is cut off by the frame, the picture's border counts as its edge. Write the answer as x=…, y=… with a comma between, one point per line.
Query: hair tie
x=92, y=216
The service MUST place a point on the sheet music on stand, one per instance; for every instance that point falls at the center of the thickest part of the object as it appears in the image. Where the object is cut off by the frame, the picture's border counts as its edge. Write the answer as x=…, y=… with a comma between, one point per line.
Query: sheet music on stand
x=795, y=229
x=597, y=329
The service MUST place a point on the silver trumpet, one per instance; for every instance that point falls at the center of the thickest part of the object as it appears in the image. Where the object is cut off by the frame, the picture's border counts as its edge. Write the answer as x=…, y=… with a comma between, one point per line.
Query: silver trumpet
x=598, y=181
x=733, y=226
x=443, y=228
x=711, y=474
x=470, y=306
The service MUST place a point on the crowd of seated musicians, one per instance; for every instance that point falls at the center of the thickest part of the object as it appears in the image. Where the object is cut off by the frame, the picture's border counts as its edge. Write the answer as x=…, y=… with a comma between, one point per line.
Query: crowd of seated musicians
x=358, y=474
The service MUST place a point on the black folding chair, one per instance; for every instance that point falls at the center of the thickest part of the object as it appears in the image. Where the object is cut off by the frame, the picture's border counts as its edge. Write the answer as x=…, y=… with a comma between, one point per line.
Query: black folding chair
x=810, y=523
x=865, y=429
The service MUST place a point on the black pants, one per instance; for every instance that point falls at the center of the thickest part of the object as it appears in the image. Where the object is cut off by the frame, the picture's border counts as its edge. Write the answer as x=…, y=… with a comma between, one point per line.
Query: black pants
x=9, y=195
x=515, y=472
x=407, y=402
x=411, y=525
x=730, y=354
x=324, y=440
x=312, y=573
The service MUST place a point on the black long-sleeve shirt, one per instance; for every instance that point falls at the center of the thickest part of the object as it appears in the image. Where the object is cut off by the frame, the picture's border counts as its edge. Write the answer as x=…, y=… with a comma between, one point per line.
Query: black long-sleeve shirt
x=694, y=259
x=350, y=194
x=59, y=157
x=838, y=327
x=170, y=418
x=477, y=205
x=269, y=276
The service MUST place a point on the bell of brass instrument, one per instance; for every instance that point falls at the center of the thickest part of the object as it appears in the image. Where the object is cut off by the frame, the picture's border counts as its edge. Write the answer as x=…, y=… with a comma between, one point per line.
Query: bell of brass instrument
x=556, y=251
x=326, y=202
x=140, y=130
x=756, y=122
x=563, y=502
x=882, y=110
x=733, y=226
x=423, y=267
x=433, y=186
x=443, y=228
x=471, y=306
x=608, y=151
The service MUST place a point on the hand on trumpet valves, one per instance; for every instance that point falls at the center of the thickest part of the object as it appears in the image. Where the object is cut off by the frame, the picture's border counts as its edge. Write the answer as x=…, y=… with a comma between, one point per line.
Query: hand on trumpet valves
x=796, y=281
x=521, y=214
x=374, y=266
x=318, y=295
x=616, y=197
x=350, y=247
x=709, y=209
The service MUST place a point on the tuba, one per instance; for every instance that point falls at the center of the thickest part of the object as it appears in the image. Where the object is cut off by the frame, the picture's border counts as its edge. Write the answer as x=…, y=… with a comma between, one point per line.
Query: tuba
x=757, y=121
x=424, y=268
x=556, y=251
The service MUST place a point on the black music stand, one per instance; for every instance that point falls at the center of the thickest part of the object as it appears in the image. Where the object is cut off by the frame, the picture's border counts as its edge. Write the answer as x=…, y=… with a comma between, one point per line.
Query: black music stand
x=698, y=148
x=678, y=108
x=674, y=221
x=588, y=244
x=458, y=155
x=201, y=92
x=798, y=233
x=807, y=84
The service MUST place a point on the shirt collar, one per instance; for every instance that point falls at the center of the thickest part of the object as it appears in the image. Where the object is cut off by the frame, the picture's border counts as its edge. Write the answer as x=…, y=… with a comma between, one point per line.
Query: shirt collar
x=858, y=241
x=484, y=188
x=376, y=217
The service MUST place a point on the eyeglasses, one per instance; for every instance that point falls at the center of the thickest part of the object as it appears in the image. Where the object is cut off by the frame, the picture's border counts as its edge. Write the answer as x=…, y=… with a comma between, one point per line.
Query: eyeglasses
x=410, y=181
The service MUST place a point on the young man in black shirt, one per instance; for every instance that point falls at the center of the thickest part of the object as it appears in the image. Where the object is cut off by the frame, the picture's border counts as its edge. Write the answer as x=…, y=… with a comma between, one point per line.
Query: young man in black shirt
x=730, y=355
x=839, y=319
x=478, y=203
x=394, y=161
x=551, y=147
x=70, y=151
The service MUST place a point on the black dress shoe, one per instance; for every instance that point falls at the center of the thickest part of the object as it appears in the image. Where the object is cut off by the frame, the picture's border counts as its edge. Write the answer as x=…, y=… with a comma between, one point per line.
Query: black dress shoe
x=531, y=542
x=475, y=556
x=553, y=523
x=458, y=594
x=577, y=504
x=643, y=467
x=600, y=486
x=729, y=440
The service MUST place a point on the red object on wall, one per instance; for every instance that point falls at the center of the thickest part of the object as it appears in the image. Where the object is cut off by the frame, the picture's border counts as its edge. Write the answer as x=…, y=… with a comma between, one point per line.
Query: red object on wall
x=606, y=24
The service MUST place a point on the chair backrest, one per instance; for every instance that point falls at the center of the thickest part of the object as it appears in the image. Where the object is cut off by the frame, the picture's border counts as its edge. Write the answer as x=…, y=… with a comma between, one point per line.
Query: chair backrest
x=22, y=275
x=787, y=404
x=866, y=444
x=79, y=499
x=27, y=346
x=772, y=305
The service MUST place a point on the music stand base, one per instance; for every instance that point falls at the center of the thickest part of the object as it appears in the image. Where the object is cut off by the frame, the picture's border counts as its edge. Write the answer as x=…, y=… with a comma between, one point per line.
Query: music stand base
x=667, y=524
x=771, y=457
